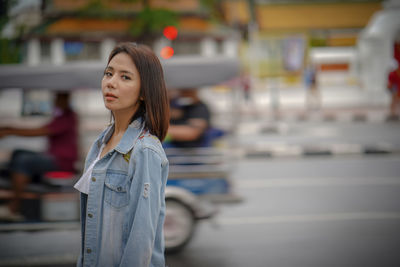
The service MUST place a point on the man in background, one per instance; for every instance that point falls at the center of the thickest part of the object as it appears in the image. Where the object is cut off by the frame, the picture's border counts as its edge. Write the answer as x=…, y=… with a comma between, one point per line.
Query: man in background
x=28, y=166
x=190, y=120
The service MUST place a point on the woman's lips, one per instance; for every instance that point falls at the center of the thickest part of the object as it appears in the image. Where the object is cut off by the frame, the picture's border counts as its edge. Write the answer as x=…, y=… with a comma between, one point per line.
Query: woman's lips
x=110, y=97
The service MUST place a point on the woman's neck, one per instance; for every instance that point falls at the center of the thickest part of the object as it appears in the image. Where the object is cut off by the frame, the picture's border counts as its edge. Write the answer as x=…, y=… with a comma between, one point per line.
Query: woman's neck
x=121, y=122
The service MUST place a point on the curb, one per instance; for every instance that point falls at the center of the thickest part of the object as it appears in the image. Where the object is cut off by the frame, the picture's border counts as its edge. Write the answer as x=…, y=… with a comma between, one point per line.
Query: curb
x=329, y=115
x=40, y=261
x=339, y=117
x=40, y=226
x=283, y=151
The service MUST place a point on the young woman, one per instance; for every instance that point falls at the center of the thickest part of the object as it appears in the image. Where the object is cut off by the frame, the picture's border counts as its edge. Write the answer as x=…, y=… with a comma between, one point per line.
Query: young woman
x=122, y=188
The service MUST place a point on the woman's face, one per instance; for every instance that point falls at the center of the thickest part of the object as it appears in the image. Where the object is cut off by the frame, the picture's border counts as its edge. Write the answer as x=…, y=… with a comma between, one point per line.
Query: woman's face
x=121, y=85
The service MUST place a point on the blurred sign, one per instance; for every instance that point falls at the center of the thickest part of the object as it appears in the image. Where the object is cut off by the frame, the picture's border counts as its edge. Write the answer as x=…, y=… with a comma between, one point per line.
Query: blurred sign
x=278, y=55
x=293, y=53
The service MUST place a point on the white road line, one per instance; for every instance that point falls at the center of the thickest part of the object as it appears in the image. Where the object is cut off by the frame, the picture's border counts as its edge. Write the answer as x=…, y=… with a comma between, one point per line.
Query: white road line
x=309, y=218
x=318, y=181
x=40, y=226
x=48, y=260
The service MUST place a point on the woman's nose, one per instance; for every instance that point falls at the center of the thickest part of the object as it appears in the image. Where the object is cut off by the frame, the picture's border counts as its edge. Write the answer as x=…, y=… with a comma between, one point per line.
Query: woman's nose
x=111, y=82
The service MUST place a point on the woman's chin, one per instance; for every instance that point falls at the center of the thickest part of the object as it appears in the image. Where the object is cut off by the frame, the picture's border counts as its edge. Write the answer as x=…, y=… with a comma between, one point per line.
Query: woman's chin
x=109, y=106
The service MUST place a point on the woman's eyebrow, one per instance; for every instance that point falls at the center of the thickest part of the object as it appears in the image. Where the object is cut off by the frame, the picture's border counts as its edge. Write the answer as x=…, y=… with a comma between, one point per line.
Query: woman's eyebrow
x=125, y=71
x=121, y=71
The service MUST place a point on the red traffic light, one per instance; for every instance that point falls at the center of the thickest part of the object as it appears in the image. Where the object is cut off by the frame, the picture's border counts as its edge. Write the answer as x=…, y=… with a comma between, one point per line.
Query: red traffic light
x=170, y=32
x=167, y=52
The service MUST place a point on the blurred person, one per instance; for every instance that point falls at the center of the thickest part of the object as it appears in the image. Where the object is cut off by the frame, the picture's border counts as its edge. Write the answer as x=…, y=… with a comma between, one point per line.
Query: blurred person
x=313, y=97
x=394, y=89
x=123, y=183
x=27, y=166
x=245, y=84
x=189, y=121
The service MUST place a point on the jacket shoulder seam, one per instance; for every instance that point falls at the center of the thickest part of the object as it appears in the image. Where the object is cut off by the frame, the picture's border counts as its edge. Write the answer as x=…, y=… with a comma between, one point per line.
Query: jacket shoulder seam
x=145, y=145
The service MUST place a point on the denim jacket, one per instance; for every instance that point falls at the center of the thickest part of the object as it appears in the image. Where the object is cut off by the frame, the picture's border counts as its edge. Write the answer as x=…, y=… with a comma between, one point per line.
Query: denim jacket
x=122, y=217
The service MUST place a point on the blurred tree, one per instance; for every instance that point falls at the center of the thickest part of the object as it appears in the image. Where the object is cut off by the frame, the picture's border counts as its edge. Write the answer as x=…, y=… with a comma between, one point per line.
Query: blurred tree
x=9, y=51
x=95, y=8
x=150, y=22
x=3, y=13
x=146, y=25
x=214, y=9
x=10, y=47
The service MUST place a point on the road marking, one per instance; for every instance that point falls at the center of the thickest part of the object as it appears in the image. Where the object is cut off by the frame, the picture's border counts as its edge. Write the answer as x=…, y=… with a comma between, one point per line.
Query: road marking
x=39, y=226
x=318, y=181
x=48, y=260
x=322, y=131
x=348, y=216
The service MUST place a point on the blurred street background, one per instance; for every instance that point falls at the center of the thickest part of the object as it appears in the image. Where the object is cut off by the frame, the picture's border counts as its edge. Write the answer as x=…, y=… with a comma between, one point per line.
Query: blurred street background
x=317, y=168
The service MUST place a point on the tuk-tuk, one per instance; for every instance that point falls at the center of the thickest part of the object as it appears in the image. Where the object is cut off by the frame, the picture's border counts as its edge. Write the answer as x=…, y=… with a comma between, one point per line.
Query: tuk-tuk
x=198, y=178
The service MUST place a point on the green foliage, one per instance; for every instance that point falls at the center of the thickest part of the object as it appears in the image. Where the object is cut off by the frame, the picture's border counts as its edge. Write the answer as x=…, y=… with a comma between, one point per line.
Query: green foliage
x=149, y=21
x=3, y=22
x=10, y=51
x=214, y=9
x=152, y=21
x=95, y=8
x=4, y=8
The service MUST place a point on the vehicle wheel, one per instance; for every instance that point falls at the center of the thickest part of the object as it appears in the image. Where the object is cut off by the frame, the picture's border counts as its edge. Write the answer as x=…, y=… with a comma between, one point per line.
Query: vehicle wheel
x=178, y=226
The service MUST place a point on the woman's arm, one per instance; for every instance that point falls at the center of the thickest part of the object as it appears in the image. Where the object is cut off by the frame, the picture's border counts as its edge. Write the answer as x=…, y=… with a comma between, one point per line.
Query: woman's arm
x=147, y=224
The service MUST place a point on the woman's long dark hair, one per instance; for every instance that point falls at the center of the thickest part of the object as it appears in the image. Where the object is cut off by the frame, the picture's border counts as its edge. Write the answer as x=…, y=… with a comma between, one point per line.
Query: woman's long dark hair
x=154, y=109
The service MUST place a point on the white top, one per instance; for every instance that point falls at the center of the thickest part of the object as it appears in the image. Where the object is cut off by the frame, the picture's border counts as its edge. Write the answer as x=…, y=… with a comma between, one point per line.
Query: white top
x=83, y=184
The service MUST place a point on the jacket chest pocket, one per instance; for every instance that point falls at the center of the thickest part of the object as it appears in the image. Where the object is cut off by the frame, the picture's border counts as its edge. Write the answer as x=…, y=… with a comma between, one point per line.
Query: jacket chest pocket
x=116, y=189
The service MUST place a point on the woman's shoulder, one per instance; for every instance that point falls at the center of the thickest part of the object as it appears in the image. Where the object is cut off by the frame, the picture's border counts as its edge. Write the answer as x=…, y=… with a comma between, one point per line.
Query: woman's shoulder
x=149, y=141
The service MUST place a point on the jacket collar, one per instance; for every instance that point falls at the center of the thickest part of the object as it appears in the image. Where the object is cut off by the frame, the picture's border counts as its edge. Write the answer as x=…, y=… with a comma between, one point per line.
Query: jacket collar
x=128, y=139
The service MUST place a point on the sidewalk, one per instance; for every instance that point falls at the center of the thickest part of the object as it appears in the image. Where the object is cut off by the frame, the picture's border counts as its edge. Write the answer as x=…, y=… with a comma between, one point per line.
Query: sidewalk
x=338, y=103
x=350, y=121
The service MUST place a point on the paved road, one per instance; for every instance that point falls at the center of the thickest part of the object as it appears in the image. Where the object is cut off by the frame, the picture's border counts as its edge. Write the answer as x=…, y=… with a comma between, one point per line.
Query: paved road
x=311, y=211
x=306, y=212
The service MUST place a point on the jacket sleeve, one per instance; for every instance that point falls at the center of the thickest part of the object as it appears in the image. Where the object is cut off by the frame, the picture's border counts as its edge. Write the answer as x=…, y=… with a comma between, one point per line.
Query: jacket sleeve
x=147, y=222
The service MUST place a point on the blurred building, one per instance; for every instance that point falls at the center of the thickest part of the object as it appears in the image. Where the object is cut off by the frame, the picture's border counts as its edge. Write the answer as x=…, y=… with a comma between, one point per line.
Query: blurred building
x=60, y=32
x=285, y=34
x=275, y=38
x=378, y=48
x=88, y=30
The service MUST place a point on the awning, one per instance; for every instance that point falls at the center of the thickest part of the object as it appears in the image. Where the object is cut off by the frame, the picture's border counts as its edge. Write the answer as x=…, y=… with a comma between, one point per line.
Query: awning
x=180, y=72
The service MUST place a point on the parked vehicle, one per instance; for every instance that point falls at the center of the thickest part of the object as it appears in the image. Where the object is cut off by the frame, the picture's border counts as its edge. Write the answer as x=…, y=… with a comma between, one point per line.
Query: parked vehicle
x=198, y=177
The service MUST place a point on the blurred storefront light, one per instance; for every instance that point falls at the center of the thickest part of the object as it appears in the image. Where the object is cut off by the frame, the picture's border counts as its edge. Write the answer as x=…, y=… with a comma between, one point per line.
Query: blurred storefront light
x=167, y=52
x=170, y=32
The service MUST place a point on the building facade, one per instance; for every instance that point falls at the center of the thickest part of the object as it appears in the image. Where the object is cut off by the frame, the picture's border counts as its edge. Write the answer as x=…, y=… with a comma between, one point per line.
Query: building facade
x=74, y=30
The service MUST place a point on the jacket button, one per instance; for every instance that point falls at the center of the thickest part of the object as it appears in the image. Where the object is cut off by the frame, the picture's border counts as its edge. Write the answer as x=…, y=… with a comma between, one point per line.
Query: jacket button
x=88, y=250
x=90, y=215
x=93, y=179
x=119, y=189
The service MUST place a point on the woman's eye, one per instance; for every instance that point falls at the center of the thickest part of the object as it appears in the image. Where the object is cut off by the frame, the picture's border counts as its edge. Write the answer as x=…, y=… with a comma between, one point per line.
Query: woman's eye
x=108, y=74
x=124, y=77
